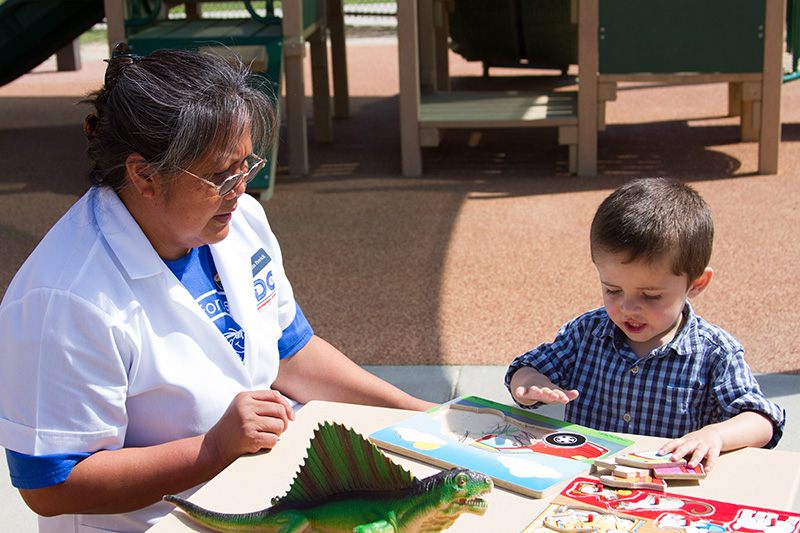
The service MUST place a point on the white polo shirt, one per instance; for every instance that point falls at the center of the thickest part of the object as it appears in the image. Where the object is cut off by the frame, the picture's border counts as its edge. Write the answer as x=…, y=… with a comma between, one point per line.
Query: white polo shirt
x=104, y=348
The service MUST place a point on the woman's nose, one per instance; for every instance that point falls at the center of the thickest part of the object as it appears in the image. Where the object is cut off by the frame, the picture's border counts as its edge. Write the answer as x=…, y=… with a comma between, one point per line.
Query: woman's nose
x=237, y=190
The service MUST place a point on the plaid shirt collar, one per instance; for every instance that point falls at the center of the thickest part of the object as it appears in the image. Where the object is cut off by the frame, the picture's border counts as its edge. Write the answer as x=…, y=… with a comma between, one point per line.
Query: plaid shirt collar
x=684, y=343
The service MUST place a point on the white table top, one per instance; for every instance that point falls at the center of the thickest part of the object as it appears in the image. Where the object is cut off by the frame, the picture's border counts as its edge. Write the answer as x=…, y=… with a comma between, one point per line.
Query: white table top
x=756, y=477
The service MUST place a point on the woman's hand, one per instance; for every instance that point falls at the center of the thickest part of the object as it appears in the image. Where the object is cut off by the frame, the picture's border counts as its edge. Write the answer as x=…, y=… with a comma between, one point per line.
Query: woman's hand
x=253, y=421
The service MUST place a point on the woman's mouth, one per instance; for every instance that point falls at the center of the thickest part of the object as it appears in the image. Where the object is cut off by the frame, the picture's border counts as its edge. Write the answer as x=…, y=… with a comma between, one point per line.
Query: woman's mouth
x=224, y=218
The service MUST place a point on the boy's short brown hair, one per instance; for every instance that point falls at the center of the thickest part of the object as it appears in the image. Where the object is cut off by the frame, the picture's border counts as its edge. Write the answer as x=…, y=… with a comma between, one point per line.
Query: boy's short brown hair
x=652, y=219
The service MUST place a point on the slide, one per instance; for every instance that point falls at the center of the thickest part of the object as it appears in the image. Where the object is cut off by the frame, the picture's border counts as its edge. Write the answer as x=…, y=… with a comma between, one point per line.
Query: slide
x=33, y=30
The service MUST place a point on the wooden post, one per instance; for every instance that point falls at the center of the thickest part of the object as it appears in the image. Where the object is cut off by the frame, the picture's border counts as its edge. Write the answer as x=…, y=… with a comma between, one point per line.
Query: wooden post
x=341, y=92
x=442, y=34
x=588, y=67
x=115, y=20
x=294, y=49
x=320, y=82
x=69, y=57
x=427, y=46
x=769, y=145
x=408, y=66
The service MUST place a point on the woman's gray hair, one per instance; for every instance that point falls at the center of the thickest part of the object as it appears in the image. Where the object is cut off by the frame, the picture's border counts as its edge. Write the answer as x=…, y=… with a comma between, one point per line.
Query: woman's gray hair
x=177, y=109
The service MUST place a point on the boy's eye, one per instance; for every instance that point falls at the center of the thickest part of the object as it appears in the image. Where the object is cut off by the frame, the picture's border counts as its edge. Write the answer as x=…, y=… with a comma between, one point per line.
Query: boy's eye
x=651, y=296
x=613, y=291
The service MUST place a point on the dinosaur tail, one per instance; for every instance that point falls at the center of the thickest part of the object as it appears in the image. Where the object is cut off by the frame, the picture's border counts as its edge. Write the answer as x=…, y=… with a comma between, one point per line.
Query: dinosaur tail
x=222, y=522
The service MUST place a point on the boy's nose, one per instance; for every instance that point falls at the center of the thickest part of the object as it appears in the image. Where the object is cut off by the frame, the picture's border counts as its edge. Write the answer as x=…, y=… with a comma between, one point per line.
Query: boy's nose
x=630, y=304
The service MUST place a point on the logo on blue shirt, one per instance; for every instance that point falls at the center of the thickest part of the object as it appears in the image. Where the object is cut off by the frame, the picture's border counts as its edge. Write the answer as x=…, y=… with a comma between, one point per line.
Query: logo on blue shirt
x=263, y=281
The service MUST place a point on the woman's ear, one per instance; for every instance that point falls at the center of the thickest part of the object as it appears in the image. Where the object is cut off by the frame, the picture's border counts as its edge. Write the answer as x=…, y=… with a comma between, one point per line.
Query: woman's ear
x=701, y=283
x=140, y=174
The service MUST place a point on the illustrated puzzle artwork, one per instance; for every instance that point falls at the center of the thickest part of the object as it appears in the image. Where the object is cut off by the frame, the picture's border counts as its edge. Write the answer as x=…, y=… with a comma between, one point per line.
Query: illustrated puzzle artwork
x=519, y=449
x=586, y=505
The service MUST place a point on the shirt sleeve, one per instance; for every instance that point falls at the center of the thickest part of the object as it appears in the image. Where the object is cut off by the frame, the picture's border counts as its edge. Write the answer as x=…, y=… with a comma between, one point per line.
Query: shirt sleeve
x=736, y=391
x=552, y=360
x=295, y=335
x=40, y=471
x=66, y=386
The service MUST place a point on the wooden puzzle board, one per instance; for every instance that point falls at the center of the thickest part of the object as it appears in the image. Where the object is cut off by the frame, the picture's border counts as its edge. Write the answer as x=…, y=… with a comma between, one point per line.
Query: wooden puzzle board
x=586, y=505
x=521, y=450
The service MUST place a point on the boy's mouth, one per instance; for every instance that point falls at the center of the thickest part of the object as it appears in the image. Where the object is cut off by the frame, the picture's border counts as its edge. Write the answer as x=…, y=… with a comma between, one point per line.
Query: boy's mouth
x=634, y=327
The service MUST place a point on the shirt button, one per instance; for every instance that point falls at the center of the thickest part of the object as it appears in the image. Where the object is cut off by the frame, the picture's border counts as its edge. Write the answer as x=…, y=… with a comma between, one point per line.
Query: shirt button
x=627, y=417
x=635, y=370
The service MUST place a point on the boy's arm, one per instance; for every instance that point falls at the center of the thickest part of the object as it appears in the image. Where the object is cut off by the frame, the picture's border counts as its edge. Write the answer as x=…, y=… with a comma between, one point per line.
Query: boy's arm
x=749, y=428
x=529, y=387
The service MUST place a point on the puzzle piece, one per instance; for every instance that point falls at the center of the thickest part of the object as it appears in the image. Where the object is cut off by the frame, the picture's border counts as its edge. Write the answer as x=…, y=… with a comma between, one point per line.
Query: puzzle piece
x=645, y=482
x=648, y=459
x=573, y=519
x=680, y=472
x=609, y=464
x=629, y=472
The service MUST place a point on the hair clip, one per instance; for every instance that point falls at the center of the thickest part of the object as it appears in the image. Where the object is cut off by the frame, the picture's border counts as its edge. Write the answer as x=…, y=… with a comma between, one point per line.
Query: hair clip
x=90, y=125
x=122, y=50
x=121, y=57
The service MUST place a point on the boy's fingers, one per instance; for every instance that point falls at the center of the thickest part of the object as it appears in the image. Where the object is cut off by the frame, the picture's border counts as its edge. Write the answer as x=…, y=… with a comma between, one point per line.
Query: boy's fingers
x=669, y=448
x=711, y=460
x=572, y=394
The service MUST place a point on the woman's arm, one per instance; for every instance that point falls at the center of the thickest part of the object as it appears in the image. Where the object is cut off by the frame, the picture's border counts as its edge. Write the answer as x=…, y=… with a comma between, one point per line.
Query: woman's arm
x=117, y=481
x=318, y=371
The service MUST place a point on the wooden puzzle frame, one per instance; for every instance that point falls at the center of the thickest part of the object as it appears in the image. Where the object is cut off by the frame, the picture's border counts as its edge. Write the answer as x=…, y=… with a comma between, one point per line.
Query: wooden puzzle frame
x=523, y=451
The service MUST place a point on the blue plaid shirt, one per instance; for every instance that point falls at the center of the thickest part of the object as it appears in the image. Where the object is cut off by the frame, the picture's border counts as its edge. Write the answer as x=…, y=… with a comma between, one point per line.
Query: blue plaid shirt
x=698, y=378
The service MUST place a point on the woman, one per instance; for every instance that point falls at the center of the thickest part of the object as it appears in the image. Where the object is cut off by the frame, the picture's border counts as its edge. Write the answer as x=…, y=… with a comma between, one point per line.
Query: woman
x=153, y=337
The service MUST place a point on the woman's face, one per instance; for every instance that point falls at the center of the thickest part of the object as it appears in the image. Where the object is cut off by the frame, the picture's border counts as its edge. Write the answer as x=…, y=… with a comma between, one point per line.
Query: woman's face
x=190, y=213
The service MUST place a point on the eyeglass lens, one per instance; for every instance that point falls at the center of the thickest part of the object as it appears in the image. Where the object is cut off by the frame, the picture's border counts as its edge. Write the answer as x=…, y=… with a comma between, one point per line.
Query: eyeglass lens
x=253, y=166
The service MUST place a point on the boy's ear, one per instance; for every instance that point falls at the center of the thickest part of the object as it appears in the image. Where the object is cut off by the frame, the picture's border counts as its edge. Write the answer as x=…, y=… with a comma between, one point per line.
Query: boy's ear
x=140, y=174
x=701, y=283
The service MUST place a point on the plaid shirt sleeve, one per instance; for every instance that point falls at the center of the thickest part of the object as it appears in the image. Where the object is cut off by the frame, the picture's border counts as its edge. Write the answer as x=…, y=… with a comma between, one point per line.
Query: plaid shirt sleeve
x=554, y=360
x=735, y=390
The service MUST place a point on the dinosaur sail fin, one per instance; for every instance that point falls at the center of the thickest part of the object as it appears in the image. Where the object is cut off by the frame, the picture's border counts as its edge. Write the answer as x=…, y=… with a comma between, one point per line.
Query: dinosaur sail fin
x=339, y=460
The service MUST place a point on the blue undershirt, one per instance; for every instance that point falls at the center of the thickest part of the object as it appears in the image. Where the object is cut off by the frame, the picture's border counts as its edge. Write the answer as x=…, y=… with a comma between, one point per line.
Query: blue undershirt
x=197, y=272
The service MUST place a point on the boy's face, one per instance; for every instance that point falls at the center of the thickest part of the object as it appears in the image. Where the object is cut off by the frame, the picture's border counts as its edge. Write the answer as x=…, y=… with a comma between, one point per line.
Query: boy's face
x=645, y=300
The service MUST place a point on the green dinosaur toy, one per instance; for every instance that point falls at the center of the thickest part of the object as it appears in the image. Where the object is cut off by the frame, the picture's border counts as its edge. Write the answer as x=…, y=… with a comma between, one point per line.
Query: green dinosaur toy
x=347, y=485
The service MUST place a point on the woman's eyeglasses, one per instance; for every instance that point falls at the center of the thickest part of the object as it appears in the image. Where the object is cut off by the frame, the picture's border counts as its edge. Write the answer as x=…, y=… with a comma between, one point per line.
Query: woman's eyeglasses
x=252, y=164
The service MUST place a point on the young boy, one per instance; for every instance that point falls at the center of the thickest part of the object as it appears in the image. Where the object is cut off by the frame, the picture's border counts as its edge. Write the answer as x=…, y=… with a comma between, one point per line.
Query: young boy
x=645, y=363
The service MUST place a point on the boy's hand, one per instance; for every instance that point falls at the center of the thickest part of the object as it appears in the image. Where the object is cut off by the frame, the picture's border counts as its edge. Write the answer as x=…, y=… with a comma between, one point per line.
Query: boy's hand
x=702, y=444
x=749, y=428
x=529, y=387
x=533, y=394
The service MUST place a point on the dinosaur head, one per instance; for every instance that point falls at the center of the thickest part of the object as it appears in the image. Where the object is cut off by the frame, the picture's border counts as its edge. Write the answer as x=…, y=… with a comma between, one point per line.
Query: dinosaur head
x=447, y=495
x=461, y=490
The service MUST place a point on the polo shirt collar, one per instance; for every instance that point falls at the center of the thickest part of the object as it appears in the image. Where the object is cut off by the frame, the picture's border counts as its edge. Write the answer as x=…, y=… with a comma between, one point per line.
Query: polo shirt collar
x=124, y=236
